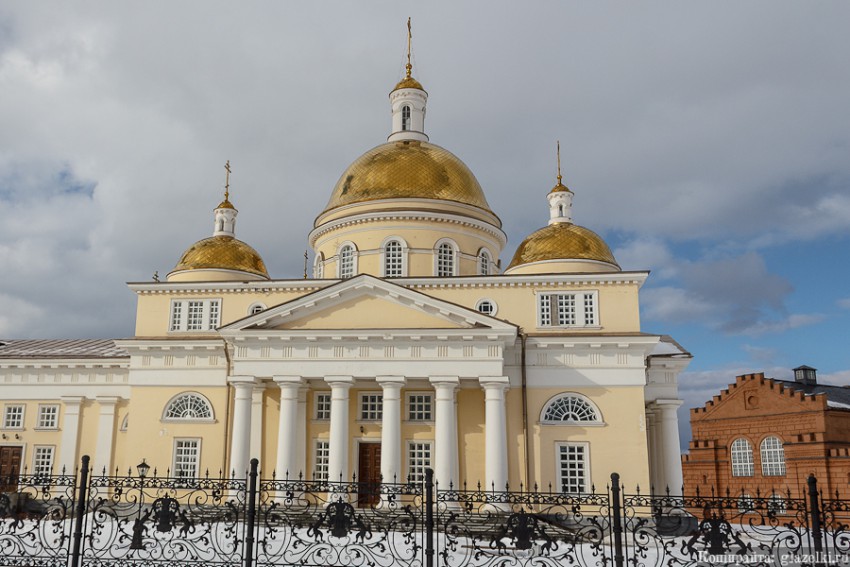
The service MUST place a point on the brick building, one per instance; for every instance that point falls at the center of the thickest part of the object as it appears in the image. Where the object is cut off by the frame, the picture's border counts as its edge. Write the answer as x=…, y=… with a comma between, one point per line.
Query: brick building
x=767, y=434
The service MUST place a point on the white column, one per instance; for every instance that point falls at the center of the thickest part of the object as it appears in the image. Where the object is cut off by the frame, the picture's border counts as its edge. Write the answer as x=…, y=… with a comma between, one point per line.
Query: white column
x=654, y=450
x=70, y=433
x=495, y=432
x=105, y=434
x=240, y=439
x=301, y=440
x=257, y=418
x=445, y=430
x=669, y=432
x=391, y=428
x=338, y=449
x=287, y=431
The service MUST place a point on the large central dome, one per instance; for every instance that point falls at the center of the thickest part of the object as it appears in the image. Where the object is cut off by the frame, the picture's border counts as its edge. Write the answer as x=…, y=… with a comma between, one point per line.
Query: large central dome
x=408, y=169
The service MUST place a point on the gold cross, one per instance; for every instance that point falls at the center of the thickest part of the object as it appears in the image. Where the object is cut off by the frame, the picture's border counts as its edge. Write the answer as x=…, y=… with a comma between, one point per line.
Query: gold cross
x=227, y=180
x=559, y=162
x=409, y=67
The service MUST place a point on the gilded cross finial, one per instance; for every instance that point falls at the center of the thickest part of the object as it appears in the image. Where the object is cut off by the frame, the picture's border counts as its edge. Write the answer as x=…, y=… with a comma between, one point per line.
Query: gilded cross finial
x=305, y=264
x=227, y=181
x=409, y=66
x=559, y=163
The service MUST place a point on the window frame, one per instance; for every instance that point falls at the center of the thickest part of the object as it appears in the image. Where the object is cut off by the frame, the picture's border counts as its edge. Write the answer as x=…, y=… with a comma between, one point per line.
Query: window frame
x=439, y=269
x=256, y=307
x=318, y=410
x=408, y=398
x=363, y=412
x=174, y=399
x=399, y=263
x=405, y=118
x=584, y=306
x=746, y=467
x=321, y=460
x=42, y=413
x=8, y=409
x=416, y=471
x=36, y=457
x=174, y=457
x=775, y=460
x=341, y=261
x=599, y=420
x=319, y=266
x=181, y=310
x=485, y=262
x=492, y=303
x=585, y=463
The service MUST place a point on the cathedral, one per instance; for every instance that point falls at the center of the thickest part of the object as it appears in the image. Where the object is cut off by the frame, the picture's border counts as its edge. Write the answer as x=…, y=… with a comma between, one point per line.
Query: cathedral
x=411, y=346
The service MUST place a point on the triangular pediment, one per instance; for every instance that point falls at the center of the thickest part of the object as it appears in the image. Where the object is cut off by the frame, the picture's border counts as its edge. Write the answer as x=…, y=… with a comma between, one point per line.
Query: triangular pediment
x=366, y=302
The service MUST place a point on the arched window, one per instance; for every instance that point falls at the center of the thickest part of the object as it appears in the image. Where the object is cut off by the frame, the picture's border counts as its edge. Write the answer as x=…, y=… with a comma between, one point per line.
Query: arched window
x=485, y=263
x=319, y=266
x=772, y=457
x=346, y=261
x=393, y=260
x=445, y=260
x=188, y=407
x=742, y=457
x=405, y=117
x=570, y=408
x=486, y=306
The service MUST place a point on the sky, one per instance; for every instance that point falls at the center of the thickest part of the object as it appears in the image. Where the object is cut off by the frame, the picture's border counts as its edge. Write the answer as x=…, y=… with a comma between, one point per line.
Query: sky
x=707, y=142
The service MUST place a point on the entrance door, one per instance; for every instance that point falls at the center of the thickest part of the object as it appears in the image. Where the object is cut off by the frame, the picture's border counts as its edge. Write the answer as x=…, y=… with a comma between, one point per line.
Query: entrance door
x=10, y=467
x=369, y=475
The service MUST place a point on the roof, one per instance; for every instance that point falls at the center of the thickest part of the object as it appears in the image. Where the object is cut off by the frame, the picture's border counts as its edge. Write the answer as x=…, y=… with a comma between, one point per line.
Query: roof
x=836, y=396
x=61, y=348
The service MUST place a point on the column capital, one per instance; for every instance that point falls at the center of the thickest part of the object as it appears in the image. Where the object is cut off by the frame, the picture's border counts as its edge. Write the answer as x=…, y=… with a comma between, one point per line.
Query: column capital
x=668, y=404
x=390, y=380
x=242, y=380
x=71, y=401
x=493, y=382
x=107, y=400
x=288, y=380
x=339, y=381
x=444, y=381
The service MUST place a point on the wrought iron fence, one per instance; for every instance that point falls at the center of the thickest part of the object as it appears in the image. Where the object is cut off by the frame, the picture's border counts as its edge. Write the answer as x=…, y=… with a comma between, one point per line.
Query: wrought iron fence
x=79, y=520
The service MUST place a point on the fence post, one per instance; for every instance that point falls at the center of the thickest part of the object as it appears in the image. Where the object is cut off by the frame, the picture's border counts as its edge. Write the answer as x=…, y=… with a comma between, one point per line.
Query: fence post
x=251, y=518
x=429, y=517
x=618, y=520
x=82, y=504
x=817, y=534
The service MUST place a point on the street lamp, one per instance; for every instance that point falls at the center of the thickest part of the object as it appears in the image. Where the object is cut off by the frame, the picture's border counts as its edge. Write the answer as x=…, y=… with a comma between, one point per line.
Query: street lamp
x=138, y=527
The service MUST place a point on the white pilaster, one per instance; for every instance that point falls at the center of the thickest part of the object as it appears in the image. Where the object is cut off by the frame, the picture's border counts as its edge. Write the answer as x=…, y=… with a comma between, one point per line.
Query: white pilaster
x=339, y=441
x=257, y=417
x=391, y=428
x=669, y=431
x=445, y=430
x=240, y=440
x=70, y=433
x=495, y=432
x=287, y=432
x=105, y=434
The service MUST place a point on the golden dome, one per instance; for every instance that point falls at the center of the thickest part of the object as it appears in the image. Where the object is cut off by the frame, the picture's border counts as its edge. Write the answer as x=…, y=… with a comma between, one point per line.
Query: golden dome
x=222, y=253
x=407, y=169
x=562, y=241
x=559, y=188
x=226, y=204
x=408, y=83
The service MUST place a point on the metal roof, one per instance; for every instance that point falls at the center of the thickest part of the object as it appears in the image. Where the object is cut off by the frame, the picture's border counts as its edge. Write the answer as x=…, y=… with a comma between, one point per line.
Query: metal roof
x=61, y=348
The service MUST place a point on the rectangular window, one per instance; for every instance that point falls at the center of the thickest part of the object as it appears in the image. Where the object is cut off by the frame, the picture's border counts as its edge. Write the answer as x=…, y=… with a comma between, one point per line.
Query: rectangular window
x=195, y=314
x=419, y=407
x=418, y=459
x=320, y=468
x=567, y=310
x=572, y=467
x=42, y=461
x=371, y=407
x=13, y=417
x=187, y=457
x=48, y=417
x=323, y=406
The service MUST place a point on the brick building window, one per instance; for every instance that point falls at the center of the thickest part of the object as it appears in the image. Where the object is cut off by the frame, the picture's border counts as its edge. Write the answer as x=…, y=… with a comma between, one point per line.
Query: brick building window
x=742, y=457
x=772, y=457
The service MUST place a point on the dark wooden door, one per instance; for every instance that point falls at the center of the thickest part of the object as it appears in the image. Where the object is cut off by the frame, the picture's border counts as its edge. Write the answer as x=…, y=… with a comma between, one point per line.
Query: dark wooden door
x=369, y=475
x=10, y=467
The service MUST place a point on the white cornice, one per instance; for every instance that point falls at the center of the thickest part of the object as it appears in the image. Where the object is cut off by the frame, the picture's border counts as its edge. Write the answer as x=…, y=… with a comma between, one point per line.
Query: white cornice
x=467, y=282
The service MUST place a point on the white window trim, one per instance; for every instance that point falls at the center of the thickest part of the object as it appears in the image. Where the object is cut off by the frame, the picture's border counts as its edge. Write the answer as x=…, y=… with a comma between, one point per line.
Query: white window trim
x=316, y=406
x=404, y=253
x=407, y=445
x=360, y=397
x=23, y=417
x=750, y=464
x=490, y=264
x=207, y=325
x=596, y=423
x=587, y=474
x=174, y=398
x=355, y=254
x=493, y=303
x=125, y=423
x=319, y=266
x=455, y=257
x=35, y=449
x=315, y=459
x=55, y=426
x=258, y=306
x=782, y=465
x=408, y=395
x=579, y=310
x=198, y=471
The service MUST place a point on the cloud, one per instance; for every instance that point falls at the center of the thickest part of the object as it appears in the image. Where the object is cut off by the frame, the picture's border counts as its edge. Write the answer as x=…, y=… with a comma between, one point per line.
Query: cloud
x=844, y=303
x=648, y=253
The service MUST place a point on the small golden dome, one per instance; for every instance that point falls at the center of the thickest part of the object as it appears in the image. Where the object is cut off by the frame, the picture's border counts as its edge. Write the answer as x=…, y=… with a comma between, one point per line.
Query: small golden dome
x=222, y=253
x=560, y=187
x=407, y=169
x=226, y=204
x=408, y=83
x=562, y=241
